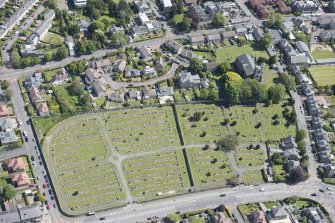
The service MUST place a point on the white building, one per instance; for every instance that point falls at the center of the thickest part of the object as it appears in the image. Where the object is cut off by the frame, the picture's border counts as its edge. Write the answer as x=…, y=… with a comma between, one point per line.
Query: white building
x=80, y=3
x=143, y=18
x=166, y=3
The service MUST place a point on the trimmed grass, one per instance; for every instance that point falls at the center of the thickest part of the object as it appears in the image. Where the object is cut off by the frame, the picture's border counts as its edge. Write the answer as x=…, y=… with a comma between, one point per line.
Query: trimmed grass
x=177, y=18
x=110, y=20
x=44, y=124
x=100, y=101
x=246, y=209
x=252, y=177
x=301, y=204
x=271, y=204
x=230, y=53
x=323, y=54
x=324, y=75
x=249, y=158
x=54, y=39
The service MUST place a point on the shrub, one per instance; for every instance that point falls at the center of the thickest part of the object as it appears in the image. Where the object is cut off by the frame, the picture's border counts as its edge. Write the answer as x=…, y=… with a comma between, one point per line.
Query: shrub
x=259, y=124
x=233, y=123
x=275, y=117
x=254, y=111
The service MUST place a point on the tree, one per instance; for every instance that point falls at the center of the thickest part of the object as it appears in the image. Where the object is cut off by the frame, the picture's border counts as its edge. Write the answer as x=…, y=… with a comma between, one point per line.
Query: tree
x=287, y=81
x=228, y=143
x=194, y=17
x=41, y=198
x=266, y=40
x=233, y=181
x=8, y=192
x=231, y=93
x=48, y=56
x=173, y=218
x=218, y=20
x=15, y=58
x=276, y=93
x=275, y=20
x=232, y=77
x=75, y=88
x=196, y=66
x=52, y=4
x=241, y=40
x=224, y=67
x=118, y=39
x=185, y=25
x=4, y=84
x=61, y=53
x=180, y=6
x=300, y=135
x=277, y=159
x=9, y=93
x=272, y=59
x=297, y=174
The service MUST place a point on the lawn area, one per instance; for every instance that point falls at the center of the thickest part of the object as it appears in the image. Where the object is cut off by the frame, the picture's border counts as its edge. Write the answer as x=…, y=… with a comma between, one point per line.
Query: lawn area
x=330, y=100
x=54, y=39
x=230, y=53
x=323, y=76
x=301, y=204
x=210, y=167
x=323, y=54
x=268, y=76
x=100, y=101
x=271, y=204
x=252, y=177
x=177, y=19
x=44, y=124
x=246, y=209
x=110, y=20
x=49, y=74
x=249, y=158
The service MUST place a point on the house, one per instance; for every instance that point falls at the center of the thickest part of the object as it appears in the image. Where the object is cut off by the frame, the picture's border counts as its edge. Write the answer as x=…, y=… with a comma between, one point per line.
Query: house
x=331, y=6
x=141, y=5
x=259, y=7
x=42, y=109
x=305, y=29
x=210, y=8
x=297, y=21
x=166, y=91
x=175, y=47
x=32, y=39
x=315, y=215
x=305, y=6
x=35, y=95
x=255, y=217
x=211, y=38
x=283, y=8
x=199, y=39
x=159, y=63
x=319, y=134
x=166, y=4
x=4, y=110
x=143, y=18
x=83, y=25
x=7, y=124
x=287, y=26
x=116, y=29
x=7, y=137
x=291, y=165
x=114, y=96
x=44, y=27
x=313, y=107
x=30, y=51
x=286, y=48
x=145, y=53
x=189, y=3
x=119, y=66
x=324, y=157
x=187, y=54
x=32, y=213
x=226, y=35
x=149, y=93
x=138, y=30
x=322, y=145
x=302, y=47
x=258, y=34
x=61, y=78
x=132, y=73
x=317, y=122
x=148, y=71
x=307, y=90
x=133, y=95
x=241, y=31
x=15, y=165
x=101, y=64
x=187, y=80
x=210, y=66
x=327, y=35
x=247, y=67
x=91, y=75
x=201, y=13
x=219, y=218
x=98, y=89
x=329, y=171
x=20, y=180
x=287, y=143
x=278, y=215
x=34, y=80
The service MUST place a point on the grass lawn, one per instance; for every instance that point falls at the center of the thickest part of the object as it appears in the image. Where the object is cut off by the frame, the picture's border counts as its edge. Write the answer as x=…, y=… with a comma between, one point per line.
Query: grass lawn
x=246, y=209
x=330, y=100
x=279, y=170
x=177, y=19
x=301, y=204
x=100, y=101
x=230, y=53
x=48, y=75
x=271, y=204
x=110, y=20
x=268, y=76
x=324, y=75
x=44, y=124
x=54, y=39
x=252, y=177
x=323, y=54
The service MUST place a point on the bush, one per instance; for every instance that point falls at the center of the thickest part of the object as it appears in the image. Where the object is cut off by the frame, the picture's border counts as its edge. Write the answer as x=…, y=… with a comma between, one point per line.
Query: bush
x=255, y=111
x=275, y=117
x=233, y=123
x=259, y=124
x=276, y=122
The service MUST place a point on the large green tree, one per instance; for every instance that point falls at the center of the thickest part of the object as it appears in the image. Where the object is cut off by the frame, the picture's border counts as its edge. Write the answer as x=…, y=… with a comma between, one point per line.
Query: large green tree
x=8, y=192
x=218, y=20
x=228, y=143
x=276, y=93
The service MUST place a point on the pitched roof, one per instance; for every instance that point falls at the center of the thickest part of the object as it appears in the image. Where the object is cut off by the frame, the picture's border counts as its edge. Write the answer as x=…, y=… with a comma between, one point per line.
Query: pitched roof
x=34, y=94
x=246, y=63
x=103, y=63
x=4, y=110
x=15, y=163
x=42, y=108
x=20, y=178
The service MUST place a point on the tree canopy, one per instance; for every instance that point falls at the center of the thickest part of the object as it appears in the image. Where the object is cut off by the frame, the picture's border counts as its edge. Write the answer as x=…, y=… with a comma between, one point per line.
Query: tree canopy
x=228, y=143
x=8, y=192
x=218, y=20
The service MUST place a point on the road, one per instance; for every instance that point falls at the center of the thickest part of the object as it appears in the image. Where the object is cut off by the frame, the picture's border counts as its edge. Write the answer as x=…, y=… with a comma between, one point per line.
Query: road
x=29, y=147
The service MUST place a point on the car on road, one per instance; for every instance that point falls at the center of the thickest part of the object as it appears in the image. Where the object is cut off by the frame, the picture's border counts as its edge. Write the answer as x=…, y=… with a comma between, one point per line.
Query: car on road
x=37, y=177
x=46, y=202
x=223, y=195
x=50, y=191
x=48, y=207
x=37, y=152
x=36, y=147
x=102, y=218
x=34, y=164
x=52, y=198
x=44, y=173
x=262, y=190
x=314, y=194
x=32, y=158
x=321, y=190
x=54, y=205
x=44, y=194
x=39, y=157
x=328, y=188
x=45, y=186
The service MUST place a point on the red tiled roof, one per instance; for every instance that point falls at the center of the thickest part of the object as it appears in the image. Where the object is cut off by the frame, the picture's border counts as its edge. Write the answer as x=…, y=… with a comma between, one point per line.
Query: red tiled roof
x=16, y=163
x=4, y=110
x=21, y=179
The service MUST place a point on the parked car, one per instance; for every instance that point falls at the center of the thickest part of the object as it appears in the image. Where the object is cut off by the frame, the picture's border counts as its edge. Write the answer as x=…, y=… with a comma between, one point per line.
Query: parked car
x=32, y=158
x=48, y=207
x=314, y=194
x=45, y=186
x=34, y=164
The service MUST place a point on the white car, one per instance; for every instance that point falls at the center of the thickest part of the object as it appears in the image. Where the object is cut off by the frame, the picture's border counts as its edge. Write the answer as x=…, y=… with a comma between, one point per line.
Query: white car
x=37, y=152
x=34, y=164
x=44, y=173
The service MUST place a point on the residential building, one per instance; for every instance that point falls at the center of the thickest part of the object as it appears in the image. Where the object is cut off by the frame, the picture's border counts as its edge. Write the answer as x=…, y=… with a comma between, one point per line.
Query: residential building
x=80, y=3
x=101, y=64
x=259, y=7
x=42, y=29
x=35, y=96
x=247, y=67
x=258, y=34
x=287, y=26
x=278, y=215
x=148, y=71
x=132, y=73
x=256, y=217
x=292, y=165
x=141, y=5
x=3, y=3
x=210, y=66
x=159, y=63
x=241, y=31
x=199, y=39
x=301, y=47
x=133, y=95
x=287, y=143
x=69, y=42
x=92, y=74
x=145, y=53
x=98, y=89
x=166, y=91
x=331, y=6
x=30, y=51
x=116, y=29
x=83, y=25
x=305, y=6
x=187, y=80
x=327, y=35
x=15, y=165
x=286, y=48
x=329, y=171
x=187, y=54
x=189, y=3
x=149, y=93
x=201, y=13
x=32, y=213
x=317, y=122
x=175, y=47
x=283, y=8
x=210, y=8
x=19, y=180
x=42, y=109
x=213, y=38
x=166, y=4
x=114, y=96
x=143, y=18
x=315, y=215
x=7, y=124
x=226, y=35
x=61, y=78
x=119, y=66
x=7, y=137
x=324, y=157
x=4, y=110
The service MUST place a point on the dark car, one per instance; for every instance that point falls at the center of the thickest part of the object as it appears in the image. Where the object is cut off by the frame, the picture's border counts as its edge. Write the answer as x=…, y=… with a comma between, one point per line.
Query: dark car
x=50, y=191
x=52, y=198
x=223, y=195
x=102, y=218
x=44, y=194
x=314, y=194
x=46, y=202
x=41, y=163
x=321, y=190
x=32, y=158
x=54, y=205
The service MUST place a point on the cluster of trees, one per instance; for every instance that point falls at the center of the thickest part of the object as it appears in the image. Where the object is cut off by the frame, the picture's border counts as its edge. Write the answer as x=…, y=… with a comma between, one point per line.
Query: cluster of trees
x=228, y=143
x=76, y=68
x=218, y=20
x=8, y=192
x=275, y=20
x=19, y=62
x=5, y=87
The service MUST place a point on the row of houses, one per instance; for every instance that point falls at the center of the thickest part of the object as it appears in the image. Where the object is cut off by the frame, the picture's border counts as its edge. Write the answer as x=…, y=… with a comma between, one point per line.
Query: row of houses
x=42, y=29
x=260, y=7
x=300, y=56
x=17, y=176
